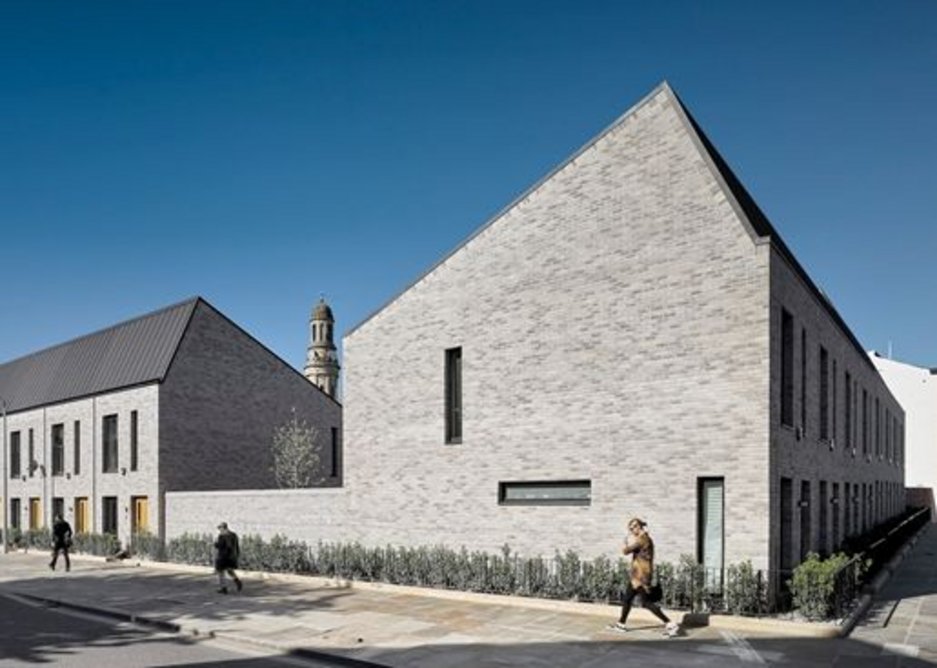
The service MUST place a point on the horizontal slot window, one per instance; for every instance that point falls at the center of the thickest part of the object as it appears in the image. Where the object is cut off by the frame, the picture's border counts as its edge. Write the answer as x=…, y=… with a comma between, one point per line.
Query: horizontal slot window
x=542, y=493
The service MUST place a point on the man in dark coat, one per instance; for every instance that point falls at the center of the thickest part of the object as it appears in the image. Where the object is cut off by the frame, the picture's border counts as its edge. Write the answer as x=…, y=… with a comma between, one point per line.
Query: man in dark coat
x=227, y=552
x=61, y=541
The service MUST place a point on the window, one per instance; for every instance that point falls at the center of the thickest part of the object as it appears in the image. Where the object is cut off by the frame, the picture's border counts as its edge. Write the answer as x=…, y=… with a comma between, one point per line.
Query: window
x=35, y=513
x=865, y=421
x=58, y=507
x=787, y=368
x=563, y=493
x=109, y=514
x=32, y=464
x=15, y=513
x=888, y=434
x=109, y=442
x=454, y=395
x=334, y=471
x=878, y=428
x=58, y=449
x=822, y=503
x=835, y=432
x=834, y=508
x=710, y=527
x=848, y=382
x=787, y=524
x=805, y=528
x=803, y=380
x=15, y=464
x=824, y=395
x=133, y=441
x=77, y=454
x=847, y=502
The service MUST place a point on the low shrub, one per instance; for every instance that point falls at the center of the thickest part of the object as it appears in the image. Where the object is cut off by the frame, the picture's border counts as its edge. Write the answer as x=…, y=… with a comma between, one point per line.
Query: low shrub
x=814, y=585
x=98, y=544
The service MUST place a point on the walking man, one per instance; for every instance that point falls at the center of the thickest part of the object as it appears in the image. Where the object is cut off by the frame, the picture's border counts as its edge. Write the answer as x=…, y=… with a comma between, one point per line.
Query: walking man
x=61, y=541
x=227, y=552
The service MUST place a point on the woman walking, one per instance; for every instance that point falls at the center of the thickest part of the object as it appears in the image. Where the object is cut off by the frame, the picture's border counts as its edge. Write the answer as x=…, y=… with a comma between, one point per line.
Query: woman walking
x=641, y=548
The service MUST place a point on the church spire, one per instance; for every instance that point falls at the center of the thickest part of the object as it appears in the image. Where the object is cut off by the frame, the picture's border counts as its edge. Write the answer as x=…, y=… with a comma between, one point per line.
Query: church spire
x=321, y=359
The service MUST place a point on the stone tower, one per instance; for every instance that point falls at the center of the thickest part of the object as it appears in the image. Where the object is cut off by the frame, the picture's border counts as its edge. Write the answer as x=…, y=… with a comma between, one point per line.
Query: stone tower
x=321, y=359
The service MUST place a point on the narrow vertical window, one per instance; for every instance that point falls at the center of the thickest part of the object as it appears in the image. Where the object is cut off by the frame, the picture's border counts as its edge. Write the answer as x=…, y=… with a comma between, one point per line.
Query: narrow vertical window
x=847, y=526
x=15, y=513
x=58, y=507
x=77, y=454
x=15, y=463
x=787, y=525
x=835, y=431
x=822, y=504
x=824, y=395
x=58, y=449
x=710, y=515
x=848, y=409
x=109, y=443
x=32, y=463
x=834, y=509
x=803, y=380
x=454, y=395
x=109, y=515
x=334, y=471
x=806, y=531
x=134, y=451
x=787, y=368
x=865, y=422
x=878, y=428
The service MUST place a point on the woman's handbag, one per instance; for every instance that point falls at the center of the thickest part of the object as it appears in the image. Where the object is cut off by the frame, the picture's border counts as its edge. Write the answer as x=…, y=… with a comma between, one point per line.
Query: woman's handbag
x=655, y=593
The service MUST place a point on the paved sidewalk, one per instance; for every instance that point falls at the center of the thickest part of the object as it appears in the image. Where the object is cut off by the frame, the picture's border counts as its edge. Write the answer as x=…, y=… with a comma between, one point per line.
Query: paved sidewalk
x=903, y=617
x=391, y=627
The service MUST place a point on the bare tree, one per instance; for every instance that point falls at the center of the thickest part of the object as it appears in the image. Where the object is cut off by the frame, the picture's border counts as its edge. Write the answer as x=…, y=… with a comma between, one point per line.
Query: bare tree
x=296, y=447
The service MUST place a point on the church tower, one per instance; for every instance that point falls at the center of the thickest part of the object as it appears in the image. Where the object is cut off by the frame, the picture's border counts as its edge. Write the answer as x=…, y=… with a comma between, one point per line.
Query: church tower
x=321, y=359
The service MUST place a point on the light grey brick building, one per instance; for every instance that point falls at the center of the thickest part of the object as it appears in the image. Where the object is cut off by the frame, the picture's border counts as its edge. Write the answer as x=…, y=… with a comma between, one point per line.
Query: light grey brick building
x=631, y=336
x=101, y=427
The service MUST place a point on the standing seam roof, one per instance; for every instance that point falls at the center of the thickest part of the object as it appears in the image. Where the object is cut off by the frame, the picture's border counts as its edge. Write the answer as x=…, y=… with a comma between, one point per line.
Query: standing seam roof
x=130, y=353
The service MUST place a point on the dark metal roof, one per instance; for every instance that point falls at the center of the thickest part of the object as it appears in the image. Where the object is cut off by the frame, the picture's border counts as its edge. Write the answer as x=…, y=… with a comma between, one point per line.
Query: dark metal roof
x=131, y=353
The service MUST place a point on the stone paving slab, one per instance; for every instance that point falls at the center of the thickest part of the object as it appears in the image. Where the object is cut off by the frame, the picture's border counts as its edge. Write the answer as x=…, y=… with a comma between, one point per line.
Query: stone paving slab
x=381, y=626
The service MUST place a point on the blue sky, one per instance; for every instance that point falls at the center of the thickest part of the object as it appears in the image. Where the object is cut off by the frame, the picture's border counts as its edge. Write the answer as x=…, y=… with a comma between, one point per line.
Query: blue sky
x=259, y=154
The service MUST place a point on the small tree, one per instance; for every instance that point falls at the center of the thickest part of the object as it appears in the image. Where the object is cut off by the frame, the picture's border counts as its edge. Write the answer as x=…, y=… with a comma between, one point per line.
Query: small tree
x=296, y=446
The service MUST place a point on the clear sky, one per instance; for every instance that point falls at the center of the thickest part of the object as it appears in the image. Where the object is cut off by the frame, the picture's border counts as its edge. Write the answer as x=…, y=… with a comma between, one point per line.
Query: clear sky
x=260, y=153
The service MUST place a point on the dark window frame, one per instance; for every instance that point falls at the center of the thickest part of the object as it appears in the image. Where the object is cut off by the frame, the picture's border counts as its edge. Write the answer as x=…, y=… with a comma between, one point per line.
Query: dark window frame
x=787, y=368
x=453, y=398
x=334, y=471
x=504, y=485
x=16, y=455
x=824, y=407
x=109, y=444
x=57, y=436
x=700, y=487
x=76, y=445
x=134, y=441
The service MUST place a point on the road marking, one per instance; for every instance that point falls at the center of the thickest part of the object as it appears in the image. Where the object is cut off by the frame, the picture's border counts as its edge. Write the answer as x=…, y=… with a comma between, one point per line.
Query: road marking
x=742, y=648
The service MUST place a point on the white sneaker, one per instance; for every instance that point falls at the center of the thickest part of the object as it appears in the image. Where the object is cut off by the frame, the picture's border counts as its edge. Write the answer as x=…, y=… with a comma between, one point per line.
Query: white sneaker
x=672, y=630
x=618, y=626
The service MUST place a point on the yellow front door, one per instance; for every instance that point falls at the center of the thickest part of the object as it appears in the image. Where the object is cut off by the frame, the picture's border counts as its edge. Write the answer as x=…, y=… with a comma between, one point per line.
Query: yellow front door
x=141, y=515
x=35, y=513
x=81, y=514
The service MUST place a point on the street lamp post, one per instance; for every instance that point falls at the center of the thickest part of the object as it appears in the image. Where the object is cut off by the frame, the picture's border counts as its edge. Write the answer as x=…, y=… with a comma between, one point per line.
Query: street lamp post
x=6, y=476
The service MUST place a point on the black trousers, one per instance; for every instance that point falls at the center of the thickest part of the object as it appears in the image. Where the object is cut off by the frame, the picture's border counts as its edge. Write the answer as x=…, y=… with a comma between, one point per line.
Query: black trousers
x=55, y=556
x=627, y=598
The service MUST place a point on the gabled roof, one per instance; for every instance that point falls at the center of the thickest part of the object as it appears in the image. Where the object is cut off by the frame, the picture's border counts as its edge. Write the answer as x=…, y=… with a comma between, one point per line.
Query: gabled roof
x=131, y=353
x=747, y=210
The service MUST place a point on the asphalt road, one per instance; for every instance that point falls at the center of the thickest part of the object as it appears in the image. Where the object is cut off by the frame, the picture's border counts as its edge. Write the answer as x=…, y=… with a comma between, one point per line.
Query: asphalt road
x=34, y=634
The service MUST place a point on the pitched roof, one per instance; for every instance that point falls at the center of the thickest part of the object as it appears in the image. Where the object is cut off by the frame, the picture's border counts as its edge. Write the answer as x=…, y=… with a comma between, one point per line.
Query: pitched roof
x=747, y=209
x=130, y=353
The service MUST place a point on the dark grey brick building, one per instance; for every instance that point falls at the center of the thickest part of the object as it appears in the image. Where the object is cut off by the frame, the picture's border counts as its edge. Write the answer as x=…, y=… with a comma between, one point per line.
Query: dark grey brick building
x=101, y=427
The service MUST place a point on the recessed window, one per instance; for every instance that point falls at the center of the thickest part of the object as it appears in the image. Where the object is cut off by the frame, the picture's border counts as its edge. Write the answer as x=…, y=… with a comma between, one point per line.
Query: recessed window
x=454, y=395
x=58, y=449
x=15, y=465
x=134, y=459
x=824, y=394
x=109, y=515
x=334, y=471
x=77, y=443
x=109, y=442
x=787, y=368
x=543, y=493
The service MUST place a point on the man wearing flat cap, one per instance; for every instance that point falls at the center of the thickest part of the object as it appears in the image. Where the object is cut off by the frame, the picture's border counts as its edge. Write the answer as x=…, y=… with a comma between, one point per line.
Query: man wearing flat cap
x=227, y=552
